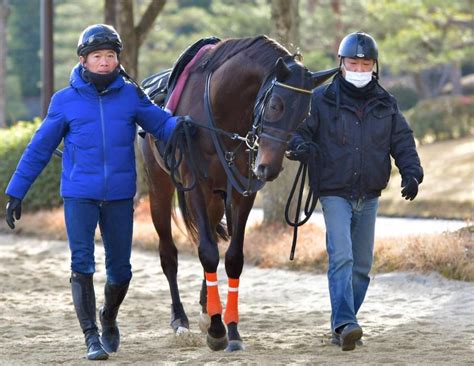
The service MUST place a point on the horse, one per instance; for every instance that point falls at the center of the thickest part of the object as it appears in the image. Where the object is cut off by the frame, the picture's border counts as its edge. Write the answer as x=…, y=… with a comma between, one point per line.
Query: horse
x=246, y=95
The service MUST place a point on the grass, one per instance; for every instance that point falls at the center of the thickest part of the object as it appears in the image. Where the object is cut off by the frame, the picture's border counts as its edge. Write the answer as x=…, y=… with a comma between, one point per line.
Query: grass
x=447, y=190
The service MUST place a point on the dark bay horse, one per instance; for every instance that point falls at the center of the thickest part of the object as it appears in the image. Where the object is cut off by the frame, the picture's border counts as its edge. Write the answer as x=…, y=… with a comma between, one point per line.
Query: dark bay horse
x=248, y=95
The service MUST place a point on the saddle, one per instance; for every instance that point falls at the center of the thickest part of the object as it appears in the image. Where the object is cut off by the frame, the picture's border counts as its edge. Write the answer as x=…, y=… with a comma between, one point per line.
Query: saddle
x=160, y=86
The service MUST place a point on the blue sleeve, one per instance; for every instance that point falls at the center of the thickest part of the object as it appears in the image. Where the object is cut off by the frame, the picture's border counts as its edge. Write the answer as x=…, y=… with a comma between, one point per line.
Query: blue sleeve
x=155, y=120
x=39, y=151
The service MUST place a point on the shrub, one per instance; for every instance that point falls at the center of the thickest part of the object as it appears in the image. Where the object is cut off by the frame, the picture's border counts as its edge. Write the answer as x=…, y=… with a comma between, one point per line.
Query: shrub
x=45, y=191
x=442, y=118
x=406, y=97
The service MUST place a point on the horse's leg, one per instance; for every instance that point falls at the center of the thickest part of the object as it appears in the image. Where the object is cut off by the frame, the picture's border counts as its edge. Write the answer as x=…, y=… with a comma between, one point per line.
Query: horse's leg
x=204, y=319
x=161, y=190
x=204, y=210
x=234, y=262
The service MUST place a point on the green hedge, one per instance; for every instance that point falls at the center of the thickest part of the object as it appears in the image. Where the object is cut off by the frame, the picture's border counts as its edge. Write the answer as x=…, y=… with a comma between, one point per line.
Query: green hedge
x=407, y=97
x=45, y=191
x=442, y=118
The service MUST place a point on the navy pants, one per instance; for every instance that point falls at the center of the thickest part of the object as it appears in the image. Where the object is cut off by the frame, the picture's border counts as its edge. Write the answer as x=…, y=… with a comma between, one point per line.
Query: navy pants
x=115, y=219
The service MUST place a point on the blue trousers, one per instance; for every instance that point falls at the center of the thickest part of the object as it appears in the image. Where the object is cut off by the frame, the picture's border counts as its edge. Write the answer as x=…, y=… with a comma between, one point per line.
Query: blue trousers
x=115, y=219
x=350, y=231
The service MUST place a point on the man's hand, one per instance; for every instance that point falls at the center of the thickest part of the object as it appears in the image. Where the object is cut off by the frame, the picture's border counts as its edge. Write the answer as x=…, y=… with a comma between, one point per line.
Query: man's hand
x=298, y=149
x=188, y=124
x=409, y=188
x=13, y=211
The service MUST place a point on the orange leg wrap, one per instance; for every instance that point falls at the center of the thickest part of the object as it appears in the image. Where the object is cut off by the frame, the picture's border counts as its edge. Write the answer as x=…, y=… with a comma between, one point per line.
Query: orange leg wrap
x=214, y=305
x=232, y=309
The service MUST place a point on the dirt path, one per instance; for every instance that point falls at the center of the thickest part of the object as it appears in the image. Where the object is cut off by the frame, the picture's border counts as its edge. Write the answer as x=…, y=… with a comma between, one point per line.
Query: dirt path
x=407, y=318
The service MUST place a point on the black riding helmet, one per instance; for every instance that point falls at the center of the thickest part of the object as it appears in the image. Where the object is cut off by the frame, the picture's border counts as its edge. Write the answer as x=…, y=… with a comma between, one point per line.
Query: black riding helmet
x=359, y=45
x=98, y=37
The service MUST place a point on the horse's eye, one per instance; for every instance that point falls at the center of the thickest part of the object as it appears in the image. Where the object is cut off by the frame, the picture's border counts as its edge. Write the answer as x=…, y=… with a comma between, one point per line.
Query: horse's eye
x=274, y=109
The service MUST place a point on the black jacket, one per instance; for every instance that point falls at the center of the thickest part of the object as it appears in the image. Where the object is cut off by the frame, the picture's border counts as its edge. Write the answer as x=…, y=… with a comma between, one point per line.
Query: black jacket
x=356, y=146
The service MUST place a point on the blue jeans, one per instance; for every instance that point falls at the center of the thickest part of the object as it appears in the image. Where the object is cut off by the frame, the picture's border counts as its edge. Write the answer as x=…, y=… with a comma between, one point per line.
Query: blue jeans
x=350, y=228
x=115, y=219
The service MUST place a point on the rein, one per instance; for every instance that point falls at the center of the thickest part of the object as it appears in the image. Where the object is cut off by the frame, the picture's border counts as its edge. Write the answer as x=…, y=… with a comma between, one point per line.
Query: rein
x=243, y=185
x=311, y=166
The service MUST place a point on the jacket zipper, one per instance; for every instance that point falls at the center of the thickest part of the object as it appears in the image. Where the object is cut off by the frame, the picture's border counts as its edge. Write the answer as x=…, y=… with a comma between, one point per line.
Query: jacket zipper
x=102, y=123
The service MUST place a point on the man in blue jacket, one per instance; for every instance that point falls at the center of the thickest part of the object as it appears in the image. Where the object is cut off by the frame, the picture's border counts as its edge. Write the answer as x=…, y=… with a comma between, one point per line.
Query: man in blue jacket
x=97, y=116
x=357, y=126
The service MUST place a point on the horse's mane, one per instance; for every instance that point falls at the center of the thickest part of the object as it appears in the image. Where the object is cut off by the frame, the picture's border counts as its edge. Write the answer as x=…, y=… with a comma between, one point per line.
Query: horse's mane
x=261, y=50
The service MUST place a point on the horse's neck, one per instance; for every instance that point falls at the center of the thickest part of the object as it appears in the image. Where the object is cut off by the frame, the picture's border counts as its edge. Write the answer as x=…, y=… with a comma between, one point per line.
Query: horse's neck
x=234, y=93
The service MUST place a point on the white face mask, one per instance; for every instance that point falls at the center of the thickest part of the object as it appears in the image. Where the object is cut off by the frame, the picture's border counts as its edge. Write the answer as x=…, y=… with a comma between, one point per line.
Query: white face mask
x=358, y=79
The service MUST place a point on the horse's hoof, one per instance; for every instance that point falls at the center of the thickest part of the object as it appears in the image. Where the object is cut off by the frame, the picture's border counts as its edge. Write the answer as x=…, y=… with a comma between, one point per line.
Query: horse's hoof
x=204, y=322
x=217, y=344
x=181, y=330
x=235, y=345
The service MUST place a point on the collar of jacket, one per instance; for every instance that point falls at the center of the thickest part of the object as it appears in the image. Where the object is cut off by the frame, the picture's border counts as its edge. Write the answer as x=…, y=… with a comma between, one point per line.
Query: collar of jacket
x=329, y=94
x=77, y=82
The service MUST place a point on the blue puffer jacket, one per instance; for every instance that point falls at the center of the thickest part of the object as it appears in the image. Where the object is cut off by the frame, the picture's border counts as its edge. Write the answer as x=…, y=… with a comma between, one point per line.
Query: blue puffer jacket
x=99, y=131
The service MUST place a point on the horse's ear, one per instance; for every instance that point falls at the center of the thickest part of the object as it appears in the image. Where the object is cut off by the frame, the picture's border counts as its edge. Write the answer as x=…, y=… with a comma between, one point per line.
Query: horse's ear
x=319, y=77
x=281, y=70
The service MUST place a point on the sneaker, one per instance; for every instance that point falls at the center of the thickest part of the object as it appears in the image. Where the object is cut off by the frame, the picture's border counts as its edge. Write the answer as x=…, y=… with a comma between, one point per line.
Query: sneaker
x=336, y=340
x=349, y=336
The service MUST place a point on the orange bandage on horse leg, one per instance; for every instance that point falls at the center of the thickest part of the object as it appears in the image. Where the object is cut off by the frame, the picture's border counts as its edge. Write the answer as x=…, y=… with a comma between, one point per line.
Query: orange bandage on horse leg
x=214, y=305
x=232, y=309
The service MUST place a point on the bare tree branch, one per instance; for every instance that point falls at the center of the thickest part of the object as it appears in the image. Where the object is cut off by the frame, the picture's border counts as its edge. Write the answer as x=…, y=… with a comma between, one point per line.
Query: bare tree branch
x=147, y=20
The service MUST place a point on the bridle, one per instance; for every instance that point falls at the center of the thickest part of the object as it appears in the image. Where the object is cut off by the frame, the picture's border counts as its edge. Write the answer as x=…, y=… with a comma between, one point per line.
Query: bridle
x=259, y=109
x=250, y=184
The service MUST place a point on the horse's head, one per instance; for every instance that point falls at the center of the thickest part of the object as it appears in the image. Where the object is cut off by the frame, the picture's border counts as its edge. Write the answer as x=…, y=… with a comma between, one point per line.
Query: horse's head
x=285, y=105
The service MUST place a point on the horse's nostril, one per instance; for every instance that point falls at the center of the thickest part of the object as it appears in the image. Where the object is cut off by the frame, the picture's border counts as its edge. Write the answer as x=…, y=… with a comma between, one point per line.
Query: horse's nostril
x=261, y=172
x=266, y=173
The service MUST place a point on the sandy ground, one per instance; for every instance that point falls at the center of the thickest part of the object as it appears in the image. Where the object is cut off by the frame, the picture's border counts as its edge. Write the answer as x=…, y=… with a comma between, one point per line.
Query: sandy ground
x=407, y=318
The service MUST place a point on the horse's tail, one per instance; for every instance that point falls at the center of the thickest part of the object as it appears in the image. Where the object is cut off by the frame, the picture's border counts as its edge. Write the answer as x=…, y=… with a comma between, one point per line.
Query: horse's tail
x=190, y=222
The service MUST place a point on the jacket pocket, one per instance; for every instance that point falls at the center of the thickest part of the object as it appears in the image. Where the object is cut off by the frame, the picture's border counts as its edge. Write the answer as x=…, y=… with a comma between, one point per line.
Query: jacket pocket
x=380, y=121
x=377, y=171
x=337, y=129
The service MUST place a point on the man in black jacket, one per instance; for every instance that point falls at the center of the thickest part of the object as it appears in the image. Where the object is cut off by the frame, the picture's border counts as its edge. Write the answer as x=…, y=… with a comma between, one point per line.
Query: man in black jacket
x=357, y=126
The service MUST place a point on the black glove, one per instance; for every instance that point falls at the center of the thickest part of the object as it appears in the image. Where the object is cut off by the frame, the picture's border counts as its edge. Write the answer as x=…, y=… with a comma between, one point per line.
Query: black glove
x=409, y=188
x=13, y=207
x=188, y=124
x=298, y=149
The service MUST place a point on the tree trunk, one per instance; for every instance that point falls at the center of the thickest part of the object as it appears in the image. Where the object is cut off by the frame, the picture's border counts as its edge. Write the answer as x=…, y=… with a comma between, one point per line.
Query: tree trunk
x=420, y=86
x=132, y=38
x=455, y=77
x=4, y=13
x=338, y=25
x=110, y=12
x=126, y=29
x=285, y=20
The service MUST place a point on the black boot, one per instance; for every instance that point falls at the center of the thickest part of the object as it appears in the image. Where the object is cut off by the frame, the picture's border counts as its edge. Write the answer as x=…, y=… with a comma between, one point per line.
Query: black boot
x=114, y=296
x=83, y=296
